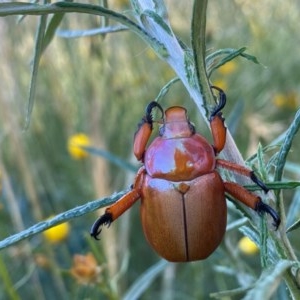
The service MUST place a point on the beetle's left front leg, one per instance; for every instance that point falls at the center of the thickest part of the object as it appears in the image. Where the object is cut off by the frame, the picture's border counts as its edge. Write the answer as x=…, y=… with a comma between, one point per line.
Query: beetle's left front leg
x=117, y=209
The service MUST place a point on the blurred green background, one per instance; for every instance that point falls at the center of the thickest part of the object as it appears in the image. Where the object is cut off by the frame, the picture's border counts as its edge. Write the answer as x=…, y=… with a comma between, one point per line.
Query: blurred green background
x=100, y=86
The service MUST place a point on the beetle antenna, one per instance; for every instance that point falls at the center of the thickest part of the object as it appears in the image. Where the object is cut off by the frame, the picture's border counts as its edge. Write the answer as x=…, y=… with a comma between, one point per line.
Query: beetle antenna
x=262, y=207
x=149, y=108
x=222, y=101
x=96, y=229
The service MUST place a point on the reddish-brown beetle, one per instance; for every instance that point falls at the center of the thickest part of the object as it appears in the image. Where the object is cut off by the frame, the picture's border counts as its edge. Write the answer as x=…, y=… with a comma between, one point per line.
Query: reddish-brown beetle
x=183, y=207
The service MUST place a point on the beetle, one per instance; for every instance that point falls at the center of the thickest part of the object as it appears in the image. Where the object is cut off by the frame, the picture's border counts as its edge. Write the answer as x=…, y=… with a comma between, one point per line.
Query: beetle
x=183, y=207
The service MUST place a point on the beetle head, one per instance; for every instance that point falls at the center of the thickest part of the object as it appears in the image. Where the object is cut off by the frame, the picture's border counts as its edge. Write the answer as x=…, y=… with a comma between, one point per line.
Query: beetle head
x=176, y=123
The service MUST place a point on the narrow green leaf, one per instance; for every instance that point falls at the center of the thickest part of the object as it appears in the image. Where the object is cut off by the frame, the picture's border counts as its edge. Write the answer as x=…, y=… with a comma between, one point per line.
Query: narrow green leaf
x=282, y=156
x=51, y=29
x=293, y=211
x=251, y=234
x=136, y=7
x=251, y=58
x=67, y=7
x=144, y=281
x=295, y=226
x=261, y=163
x=112, y=158
x=189, y=67
x=158, y=20
x=6, y=280
x=10, y=6
x=278, y=185
x=165, y=89
x=69, y=34
x=230, y=294
x=269, y=281
x=222, y=56
x=286, y=146
x=265, y=250
x=237, y=224
x=34, y=72
x=199, y=50
x=160, y=8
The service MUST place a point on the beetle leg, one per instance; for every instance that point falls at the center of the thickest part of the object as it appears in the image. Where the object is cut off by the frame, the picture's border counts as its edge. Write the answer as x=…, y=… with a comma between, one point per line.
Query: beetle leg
x=252, y=201
x=243, y=171
x=144, y=130
x=117, y=209
x=216, y=120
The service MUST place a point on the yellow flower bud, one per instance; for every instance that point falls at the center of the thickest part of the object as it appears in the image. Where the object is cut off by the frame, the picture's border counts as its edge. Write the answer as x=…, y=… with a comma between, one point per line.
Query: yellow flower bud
x=57, y=233
x=247, y=246
x=288, y=100
x=75, y=143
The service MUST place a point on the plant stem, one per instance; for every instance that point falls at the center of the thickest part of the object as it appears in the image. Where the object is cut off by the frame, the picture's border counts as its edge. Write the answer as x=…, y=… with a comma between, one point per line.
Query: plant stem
x=60, y=218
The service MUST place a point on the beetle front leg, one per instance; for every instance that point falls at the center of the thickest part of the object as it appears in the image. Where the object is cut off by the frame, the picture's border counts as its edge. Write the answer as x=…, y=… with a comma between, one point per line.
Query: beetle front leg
x=144, y=131
x=117, y=209
x=218, y=129
x=252, y=201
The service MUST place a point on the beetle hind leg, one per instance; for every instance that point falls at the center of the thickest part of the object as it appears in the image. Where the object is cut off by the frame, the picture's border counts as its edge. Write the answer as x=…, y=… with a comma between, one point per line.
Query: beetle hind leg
x=252, y=201
x=262, y=207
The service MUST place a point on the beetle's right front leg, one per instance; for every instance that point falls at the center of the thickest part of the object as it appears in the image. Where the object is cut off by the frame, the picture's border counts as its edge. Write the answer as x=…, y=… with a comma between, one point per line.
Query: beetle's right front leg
x=117, y=209
x=144, y=131
x=216, y=120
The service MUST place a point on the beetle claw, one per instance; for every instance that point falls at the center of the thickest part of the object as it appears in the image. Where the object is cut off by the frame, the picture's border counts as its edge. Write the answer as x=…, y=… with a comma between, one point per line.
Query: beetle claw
x=255, y=179
x=96, y=229
x=261, y=208
x=221, y=104
x=149, y=108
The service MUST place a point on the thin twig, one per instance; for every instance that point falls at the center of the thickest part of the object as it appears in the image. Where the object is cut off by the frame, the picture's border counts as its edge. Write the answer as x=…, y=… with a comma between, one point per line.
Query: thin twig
x=61, y=218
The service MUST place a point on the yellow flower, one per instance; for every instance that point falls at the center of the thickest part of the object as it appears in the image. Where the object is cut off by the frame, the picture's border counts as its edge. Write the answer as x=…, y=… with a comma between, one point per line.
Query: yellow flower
x=228, y=68
x=247, y=246
x=85, y=269
x=75, y=143
x=57, y=233
x=288, y=100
